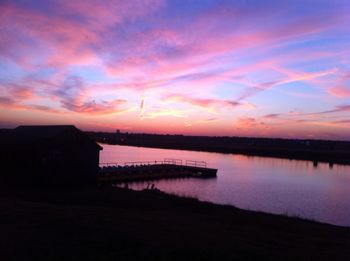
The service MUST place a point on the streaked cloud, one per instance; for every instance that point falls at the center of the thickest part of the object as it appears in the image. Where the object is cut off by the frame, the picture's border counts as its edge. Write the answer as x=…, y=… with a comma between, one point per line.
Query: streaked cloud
x=209, y=104
x=272, y=116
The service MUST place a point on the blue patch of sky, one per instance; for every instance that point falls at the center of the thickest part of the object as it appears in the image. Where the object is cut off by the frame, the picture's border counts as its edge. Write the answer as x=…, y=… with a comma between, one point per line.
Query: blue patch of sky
x=40, y=5
x=229, y=90
x=13, y=72
x=301, y=88
x=176, y=8
x=314, y=66
x=93, y=74
x=277, y=100
x=179, y=14
x=263, y=76
x=320, y=42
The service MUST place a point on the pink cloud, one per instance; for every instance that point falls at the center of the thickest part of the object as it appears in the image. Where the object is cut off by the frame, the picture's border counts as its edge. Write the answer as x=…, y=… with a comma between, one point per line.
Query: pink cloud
x=68, y=41
x=340, y=91
x=6, y=101
x=342, y=122
x=72, y=93
x=342, y=87
x=69, y=93
x=11, y=103
x=217, y=40
x=21, y=91
x=98, y=108
x=90, y=108
x=290, y=76
x=339, y=108
x=72, y=34
x=247, y=122
x=204, y=103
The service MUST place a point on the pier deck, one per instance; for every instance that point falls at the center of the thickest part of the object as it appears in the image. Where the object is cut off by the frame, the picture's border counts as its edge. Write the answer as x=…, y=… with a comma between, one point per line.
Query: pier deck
x=153, y=170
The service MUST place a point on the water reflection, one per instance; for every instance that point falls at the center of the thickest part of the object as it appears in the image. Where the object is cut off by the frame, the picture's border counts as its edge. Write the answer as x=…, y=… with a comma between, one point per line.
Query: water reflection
x=293, y=187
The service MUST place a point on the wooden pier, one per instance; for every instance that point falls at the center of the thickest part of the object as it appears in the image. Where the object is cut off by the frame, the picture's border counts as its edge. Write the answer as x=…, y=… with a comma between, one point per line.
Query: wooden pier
x=154, y=170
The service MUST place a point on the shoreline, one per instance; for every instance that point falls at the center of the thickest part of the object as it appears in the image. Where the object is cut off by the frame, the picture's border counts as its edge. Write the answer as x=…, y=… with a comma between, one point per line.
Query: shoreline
x=264, y=154
x=109, y=224
x=331, y=152
x=252, y=211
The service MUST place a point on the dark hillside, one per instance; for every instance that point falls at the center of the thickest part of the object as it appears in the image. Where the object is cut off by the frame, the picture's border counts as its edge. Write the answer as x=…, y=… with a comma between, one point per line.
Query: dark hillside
x=128, y=225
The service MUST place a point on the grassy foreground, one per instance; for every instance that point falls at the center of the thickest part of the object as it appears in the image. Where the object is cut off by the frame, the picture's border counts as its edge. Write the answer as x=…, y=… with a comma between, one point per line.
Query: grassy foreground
x=106, y=224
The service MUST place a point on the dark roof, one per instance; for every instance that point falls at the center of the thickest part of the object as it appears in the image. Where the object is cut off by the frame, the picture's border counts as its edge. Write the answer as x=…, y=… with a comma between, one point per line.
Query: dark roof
x=40, y=131
x=43, y=132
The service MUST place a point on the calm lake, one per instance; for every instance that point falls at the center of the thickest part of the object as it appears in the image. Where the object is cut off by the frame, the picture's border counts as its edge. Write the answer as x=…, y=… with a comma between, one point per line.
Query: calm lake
x=281, y=186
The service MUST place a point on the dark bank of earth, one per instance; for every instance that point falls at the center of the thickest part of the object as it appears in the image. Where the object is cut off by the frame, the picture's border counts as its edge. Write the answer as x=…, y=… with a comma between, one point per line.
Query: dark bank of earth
x=106, y=224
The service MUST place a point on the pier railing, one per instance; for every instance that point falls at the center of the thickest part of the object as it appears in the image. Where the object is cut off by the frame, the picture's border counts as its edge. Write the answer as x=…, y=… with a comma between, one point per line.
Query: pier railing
x=167, y=161
x=195, y=163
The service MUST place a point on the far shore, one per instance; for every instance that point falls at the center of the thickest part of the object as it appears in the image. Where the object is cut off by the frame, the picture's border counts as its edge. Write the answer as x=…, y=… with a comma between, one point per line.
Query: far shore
x=332, y=152
x=121, y=224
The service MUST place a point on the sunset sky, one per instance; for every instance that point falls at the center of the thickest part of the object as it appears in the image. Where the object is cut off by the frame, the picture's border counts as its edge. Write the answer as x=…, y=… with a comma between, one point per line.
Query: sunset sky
x=236, y=68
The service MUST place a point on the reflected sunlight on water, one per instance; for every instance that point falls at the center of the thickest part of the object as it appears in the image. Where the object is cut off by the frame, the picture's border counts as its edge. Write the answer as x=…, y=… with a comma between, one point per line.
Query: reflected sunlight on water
x=282, y=186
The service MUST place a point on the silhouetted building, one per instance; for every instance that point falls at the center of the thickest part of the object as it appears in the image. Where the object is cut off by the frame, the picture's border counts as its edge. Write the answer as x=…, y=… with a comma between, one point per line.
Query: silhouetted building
x=49, y=155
